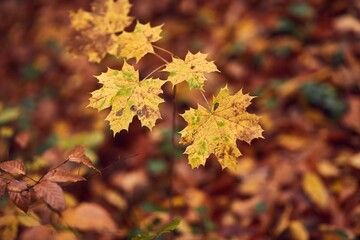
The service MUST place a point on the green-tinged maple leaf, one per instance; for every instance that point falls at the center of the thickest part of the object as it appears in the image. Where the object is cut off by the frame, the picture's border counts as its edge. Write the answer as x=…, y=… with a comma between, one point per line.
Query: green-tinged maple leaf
x=96, y=30
x=191, y=69
x=138, y=42
x=216, y=130
x=128, y=97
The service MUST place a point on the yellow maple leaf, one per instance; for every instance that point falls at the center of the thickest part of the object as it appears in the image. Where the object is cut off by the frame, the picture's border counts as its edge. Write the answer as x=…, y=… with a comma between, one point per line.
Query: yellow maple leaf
x=216, y=130
x=128, y=97
x=191, y=69
x=95, y=30
x=138, y=42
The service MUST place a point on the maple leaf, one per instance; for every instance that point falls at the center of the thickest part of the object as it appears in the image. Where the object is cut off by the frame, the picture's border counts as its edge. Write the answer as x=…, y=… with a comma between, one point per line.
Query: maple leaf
x=96, y=30
x=138, y=42
x=128, y=97
x=216, y=130
x=191, y=70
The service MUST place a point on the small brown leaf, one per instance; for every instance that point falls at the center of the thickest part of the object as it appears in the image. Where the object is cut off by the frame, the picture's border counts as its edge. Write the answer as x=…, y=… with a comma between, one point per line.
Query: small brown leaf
x=14, y=167
x=19, y=194
x=77, y=155
x=51, y=193
x=58, y=175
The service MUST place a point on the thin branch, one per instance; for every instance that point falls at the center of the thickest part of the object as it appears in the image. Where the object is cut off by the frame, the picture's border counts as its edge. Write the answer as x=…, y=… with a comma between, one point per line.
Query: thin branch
x=30, y=178
x=112, y=164
x=52, y=170
x=172, y=159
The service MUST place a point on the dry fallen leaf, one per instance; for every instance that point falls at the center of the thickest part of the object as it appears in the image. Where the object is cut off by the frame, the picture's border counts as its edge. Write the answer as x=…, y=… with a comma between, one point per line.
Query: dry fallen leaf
x=298, y=231
x=130, y=181
x=284, y=221
x=89, y=217
x=315, y=189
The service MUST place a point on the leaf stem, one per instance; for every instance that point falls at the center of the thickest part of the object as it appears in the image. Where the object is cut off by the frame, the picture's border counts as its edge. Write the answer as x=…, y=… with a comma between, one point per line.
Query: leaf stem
x=157, y=69
x=162, y=49
x=161, y=58
x=205, y=99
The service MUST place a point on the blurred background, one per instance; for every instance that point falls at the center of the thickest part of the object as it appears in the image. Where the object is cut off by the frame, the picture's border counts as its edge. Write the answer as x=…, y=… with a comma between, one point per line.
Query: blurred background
x=301, y=60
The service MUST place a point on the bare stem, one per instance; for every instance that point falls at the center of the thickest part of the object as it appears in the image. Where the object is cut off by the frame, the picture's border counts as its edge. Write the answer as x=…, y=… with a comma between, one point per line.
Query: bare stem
x=205, y=99
x=172, y=157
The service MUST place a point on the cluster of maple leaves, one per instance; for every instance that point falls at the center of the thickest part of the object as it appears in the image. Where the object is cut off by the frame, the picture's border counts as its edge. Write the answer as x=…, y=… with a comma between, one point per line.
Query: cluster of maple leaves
x=213, y=129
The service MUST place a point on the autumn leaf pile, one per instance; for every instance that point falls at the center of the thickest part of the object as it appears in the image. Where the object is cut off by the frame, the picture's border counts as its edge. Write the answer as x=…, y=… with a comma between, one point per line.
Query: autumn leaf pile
x=300, y=59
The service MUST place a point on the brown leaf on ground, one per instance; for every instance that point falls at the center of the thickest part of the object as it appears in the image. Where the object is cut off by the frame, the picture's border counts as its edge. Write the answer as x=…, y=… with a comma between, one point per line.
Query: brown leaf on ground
x=89, y=217
x=315, y=189
x=131, y=181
